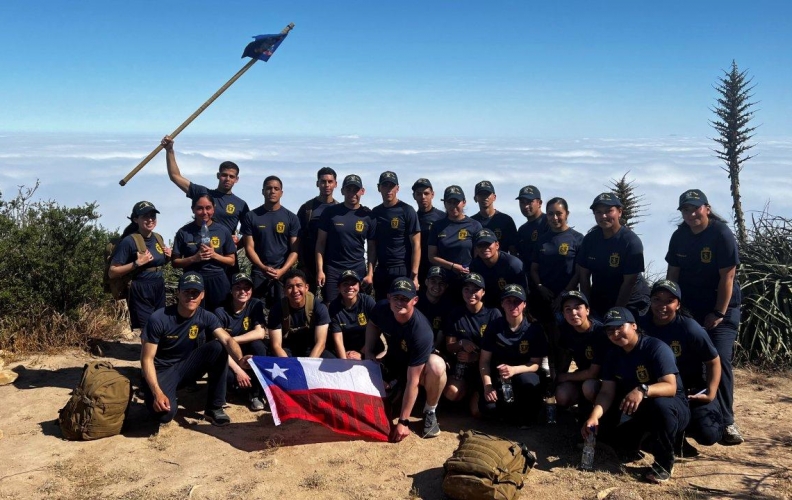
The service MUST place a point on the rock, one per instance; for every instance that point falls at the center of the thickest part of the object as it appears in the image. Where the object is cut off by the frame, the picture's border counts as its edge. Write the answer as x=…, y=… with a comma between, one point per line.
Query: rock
x=618, y=494
x=7, y=377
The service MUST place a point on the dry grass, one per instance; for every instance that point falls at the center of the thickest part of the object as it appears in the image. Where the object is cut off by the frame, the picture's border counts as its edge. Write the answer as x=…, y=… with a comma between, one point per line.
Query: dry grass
x=315, y=481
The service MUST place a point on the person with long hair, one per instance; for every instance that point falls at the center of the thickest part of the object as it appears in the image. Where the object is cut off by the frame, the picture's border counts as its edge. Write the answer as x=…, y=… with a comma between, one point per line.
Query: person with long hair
x=697, y=360
x=702, y=258
x=146, y=291
x=210, y=261
x=641, y=393
x=610, y=261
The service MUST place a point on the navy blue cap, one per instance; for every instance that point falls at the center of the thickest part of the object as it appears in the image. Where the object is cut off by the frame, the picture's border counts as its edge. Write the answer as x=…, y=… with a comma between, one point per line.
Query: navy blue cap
x=574, y=294
x=191, y=281
x=143, y=207
x=349, y=274
x=240, y=277
x=694, y=197
x=402, y=286
x=352, y=180
x=529, y=193
x=422, y=183
x=485, y=236
x=607, y=199
x=474, y=278
x=484, y=187
x=668, y=286
x=617, y=316
x=388, y=176
x=453, y=193
x=513, y=291
x=436, y=272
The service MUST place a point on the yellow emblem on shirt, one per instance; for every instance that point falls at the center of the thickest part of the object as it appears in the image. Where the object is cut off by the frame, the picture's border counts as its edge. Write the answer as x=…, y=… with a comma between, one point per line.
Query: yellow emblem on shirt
x=436, y=322
x=463, y=234
x=482, y=329
x=246, y=323
x=215, y=242
x=677, y=348
x=230, y=208
x=280, y=227
x=589, y=352
x=706, y=255
x=404, y=345
x=359, y=226
x=362, y=319
x=563, y=249
x=642, y=373
x=395, y=223
x=193, y=332
x=614, y=260
x=158, y=248
x=524, y=346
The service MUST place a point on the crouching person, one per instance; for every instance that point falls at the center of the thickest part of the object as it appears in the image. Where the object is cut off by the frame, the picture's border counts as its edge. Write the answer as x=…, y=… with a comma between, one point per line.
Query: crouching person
x=177, y=350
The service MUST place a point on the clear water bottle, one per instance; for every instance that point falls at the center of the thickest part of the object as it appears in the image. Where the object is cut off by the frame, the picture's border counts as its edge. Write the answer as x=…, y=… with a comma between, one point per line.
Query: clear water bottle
x=459, y=370
x=587, y=459
x=550, y=407
x=205, y=240
x=507, y=390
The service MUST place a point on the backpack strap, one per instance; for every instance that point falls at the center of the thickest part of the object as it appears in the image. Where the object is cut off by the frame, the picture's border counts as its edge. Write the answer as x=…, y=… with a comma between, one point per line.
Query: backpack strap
x=140, y=244
x=287, y=310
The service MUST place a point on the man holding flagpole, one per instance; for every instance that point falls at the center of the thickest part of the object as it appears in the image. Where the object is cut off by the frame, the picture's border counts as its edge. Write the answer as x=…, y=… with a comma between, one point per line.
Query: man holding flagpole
x=408, y=359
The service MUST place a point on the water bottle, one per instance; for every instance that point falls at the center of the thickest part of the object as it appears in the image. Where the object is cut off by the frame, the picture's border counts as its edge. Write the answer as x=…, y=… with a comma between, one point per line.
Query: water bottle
x=205, y=240
x=550, y=407
x=459, y=370
x=587, y=460
x=507, y=390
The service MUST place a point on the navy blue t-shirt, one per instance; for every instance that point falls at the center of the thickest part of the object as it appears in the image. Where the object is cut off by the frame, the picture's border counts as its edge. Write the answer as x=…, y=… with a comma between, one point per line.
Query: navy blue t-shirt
x=527, y=236
x=588, y=348
x=126, y=252
x=309, y=214
x=649, y=361
x=454, y=239
x=465, y=325
x=502, y=225
x=517, y=347
x=555, y=254
x=188, y=243
x=508, y=270
x=351, y=323
x=236, y=324
x=700, y=257
x=301, y=337
x=271, y=231
x=347, y=230
x=229, y=208
x=409, y=344
x=437, y=312
x=395, y=227
x=609, y=260
x=690, y=343
x=176, y=337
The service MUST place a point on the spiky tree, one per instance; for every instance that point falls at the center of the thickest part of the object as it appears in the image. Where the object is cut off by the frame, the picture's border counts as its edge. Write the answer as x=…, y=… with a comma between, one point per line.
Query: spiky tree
x=633, y=206
x=733, y=110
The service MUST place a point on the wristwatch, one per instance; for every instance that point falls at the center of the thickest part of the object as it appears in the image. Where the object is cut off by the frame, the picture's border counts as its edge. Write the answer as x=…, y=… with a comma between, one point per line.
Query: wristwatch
x=645, y=389
x=405, y=422
x=135, y=265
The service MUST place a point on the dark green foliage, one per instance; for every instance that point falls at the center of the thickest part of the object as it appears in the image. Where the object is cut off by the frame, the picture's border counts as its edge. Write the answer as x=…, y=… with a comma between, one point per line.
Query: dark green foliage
x=733, y=112
x=633, y=208
x=765, y=274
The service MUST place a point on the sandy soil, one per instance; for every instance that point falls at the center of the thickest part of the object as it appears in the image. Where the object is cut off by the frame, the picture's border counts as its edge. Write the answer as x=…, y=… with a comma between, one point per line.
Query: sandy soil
x=251, y=458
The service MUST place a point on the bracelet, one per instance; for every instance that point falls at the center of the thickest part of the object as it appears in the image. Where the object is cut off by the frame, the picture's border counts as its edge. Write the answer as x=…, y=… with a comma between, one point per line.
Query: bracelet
x=718, y=314
x=452, y=266
x=405, y=422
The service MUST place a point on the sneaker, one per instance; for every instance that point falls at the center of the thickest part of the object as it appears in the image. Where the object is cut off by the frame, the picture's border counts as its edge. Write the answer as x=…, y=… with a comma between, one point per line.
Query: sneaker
x=658, y=474
x=685, y=451
x=217, y=417
x=731, y=435
x=255, y=404
x=431, y=427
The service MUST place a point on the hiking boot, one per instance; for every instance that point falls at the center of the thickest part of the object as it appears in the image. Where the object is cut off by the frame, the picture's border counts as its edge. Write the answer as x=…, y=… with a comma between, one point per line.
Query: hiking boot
x=731, y=435
x=685, y=450
x=431, y=427
x=255, y=404
x=217, y=417
x=659, y=474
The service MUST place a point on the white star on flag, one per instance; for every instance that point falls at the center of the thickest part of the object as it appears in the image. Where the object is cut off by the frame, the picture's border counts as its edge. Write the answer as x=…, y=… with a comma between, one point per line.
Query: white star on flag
x=276, y=371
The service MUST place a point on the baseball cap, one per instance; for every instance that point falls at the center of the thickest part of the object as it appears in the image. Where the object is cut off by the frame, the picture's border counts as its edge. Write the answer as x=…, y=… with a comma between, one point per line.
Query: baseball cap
x=349, y=274
x=402, y=286
x=513, y=291
x=693, y=197
x=436, y=272
x=574, y=294
x=668, y=286
x=607, y=199
x=485, y=236
x=388, y=176
x=453, y=193
x=617, y=316
x=240, y=277
x=529, y=193
x=484, y=187
x=143, y=207
x=191, y=281
x=474, y=278
x=352, y=180
x=423, y=182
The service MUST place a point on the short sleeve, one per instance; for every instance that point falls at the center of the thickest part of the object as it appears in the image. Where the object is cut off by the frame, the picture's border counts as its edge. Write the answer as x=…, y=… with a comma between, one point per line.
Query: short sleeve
x=635, y=255
x=196, y=190
x=246, y=227
x=320, y=314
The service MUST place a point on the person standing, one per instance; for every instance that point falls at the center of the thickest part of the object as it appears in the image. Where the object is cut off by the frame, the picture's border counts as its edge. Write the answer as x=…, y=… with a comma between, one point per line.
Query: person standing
x=309, y=214
x=702, y=258
x=501, y=225
x=530, y=201
x=270, y=238
x=423, y=194
x=346, y=235
x=398, y=237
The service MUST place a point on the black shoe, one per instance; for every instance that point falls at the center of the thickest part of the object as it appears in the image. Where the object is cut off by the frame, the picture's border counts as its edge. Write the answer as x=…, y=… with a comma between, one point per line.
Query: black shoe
x=685, y=451
x=217, y=417
x=659, y=474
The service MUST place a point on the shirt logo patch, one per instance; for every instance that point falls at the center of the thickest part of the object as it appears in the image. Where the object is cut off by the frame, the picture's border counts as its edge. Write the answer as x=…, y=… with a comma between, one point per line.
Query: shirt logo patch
x=501, y=283
x=482, y=329
x=706, y=255
x=563, y=249
x=395, y=223
x=589, y=352
x=677, y=348
x=230, y=208
x=359, y=226
x=436, y=322
x=498, y=233
x=362, y=320
x=158, y=248
x=280, y=227
x=404, y=345
x=463, y=234
x=524, y=346
x=193, y=332
x=642, y=373
x=246, y=323
x=535, y=235
x=215, y=242
x=614, y=260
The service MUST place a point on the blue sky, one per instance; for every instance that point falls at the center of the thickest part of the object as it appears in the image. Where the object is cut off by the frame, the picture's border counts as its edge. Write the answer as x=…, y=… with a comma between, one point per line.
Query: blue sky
x=391, y=69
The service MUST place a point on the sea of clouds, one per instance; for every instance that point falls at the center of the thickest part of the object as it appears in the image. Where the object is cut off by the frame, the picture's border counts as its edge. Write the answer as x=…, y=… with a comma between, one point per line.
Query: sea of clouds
x=75, y=169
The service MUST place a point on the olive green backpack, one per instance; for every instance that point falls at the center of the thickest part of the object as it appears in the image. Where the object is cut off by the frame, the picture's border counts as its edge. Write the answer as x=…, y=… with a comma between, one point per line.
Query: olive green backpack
x=486, y=467
x=98, y=404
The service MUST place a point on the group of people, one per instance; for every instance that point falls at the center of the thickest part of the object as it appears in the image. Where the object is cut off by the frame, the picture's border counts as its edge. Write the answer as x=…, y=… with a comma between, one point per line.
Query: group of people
x=471, y=308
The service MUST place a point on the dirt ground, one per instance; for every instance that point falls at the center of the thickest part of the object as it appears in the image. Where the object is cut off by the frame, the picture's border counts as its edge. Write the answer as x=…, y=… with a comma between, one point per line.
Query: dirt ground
x=251, y=458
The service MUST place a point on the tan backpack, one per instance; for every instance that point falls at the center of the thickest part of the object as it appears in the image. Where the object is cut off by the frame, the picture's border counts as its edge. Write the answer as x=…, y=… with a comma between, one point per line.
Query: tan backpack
x=486, y=467
x=98, y=404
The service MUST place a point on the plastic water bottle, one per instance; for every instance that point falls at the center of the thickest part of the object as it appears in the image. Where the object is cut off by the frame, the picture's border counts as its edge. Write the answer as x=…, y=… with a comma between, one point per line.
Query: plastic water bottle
x=205, y=240
x=459, y=370
x=507, y=390
x=550, y=407
x=587, y=460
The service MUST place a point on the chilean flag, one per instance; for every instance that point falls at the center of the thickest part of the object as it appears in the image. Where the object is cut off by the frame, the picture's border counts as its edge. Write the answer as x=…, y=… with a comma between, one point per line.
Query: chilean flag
x=341, y=394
